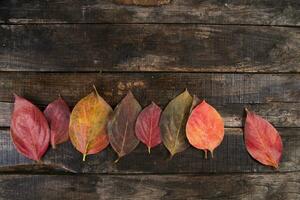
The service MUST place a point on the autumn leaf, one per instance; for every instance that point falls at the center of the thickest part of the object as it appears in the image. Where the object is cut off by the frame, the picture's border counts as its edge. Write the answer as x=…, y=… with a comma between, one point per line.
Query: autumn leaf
x=262, y=140
x=57, y=114
x=121, y=127
x=147, y=126
x=205, y=128
x=29, y=129
x=195, y=102
x=173, y=122
x=88, y=122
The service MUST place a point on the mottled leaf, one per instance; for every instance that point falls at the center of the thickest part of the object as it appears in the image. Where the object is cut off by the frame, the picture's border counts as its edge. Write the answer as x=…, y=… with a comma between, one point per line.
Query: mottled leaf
x=147, y=126
x=57, y=114
x=173, y=121
x=262, y=140
x=205, y=128
x=88, y=122
x=121, y=127
x=29, y=129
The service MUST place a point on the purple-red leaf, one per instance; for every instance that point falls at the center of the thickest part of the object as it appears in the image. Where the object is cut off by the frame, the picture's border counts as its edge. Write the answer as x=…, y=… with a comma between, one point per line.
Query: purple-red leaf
x=147, y=126
x=121, y=126
x=262, y=140
x=57, y=114
x=29, y=129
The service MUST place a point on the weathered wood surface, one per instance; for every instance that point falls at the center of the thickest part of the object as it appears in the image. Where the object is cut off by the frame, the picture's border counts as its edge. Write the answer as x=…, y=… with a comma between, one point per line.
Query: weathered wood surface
x=274, y=96
x=217, y=89
x=152, y=47
x=143, y=2
x=219, y=187
x=279, y=114
x=258, y=12
x=231, y=156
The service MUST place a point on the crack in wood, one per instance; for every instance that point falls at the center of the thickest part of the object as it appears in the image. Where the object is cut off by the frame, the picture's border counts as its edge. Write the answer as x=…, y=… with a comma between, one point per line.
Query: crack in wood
x=143, y=2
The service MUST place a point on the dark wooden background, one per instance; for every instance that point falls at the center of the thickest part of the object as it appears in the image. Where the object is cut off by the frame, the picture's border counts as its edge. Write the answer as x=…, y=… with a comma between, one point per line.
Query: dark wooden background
x=234, y=54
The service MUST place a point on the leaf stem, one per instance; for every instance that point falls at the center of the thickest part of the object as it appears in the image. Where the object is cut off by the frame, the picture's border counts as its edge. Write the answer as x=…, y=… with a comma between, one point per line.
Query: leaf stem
x=149, y=150
x=83, y=158
x=205, y=153
x=116, y=161
x=95, y=89
x=40, y=162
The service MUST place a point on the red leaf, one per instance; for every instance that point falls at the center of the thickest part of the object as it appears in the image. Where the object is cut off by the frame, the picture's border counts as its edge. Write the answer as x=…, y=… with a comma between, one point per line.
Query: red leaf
x=147, y=126
x=205, y=128
x=262, y=140
x=57, y=114
x=29, y=129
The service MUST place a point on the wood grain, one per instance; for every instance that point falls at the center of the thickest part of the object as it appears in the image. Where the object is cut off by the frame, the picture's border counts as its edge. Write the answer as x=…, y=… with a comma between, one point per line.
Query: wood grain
x=230, y=157
x=258, y=12
x=151, y=47
x=143, y=2
x=279, y=114
x=219, y=187
x=217, y=89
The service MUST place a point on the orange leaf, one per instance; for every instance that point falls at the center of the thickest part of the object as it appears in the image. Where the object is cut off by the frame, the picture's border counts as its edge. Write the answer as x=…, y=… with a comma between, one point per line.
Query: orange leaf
x=88, y=121
x=262, y=140
x=205, y=128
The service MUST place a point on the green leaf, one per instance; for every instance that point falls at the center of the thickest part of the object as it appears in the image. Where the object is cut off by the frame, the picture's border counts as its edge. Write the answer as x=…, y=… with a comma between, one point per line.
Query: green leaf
x=173, y=121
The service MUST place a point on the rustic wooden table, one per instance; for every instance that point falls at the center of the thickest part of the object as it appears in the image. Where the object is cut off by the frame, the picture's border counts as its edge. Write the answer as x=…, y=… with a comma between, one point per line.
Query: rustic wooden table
x=234, y=54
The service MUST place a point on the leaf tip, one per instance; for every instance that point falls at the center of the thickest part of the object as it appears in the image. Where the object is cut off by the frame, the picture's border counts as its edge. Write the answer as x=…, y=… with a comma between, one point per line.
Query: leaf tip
x=204, y=102
x=186, y=91
x=16, y=97
x=129, y=93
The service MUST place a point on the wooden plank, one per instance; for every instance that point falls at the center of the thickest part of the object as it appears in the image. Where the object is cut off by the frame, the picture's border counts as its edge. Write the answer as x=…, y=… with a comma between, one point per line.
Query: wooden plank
x=259, y=12
x=279, y=114
x=230, y=157
x=217, y=187
x=217, y=89
x=143, y=2
x=152, y=47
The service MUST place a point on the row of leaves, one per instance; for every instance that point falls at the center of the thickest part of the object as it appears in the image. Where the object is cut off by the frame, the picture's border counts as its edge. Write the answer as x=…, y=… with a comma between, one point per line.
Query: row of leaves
x=93, y=125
